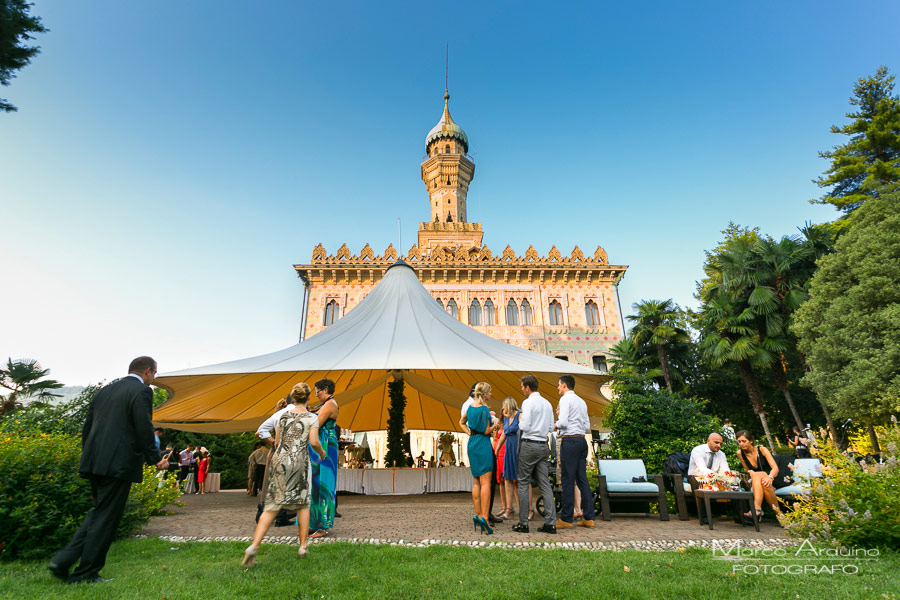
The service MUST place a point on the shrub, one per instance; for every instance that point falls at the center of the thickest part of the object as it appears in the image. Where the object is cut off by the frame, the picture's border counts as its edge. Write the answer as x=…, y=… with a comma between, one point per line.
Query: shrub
x=43, y=499
x=651, y=424
x=853, y=504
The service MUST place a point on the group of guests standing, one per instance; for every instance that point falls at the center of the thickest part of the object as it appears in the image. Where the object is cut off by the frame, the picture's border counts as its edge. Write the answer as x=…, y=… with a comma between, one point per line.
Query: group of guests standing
x=523, y=452
x=302, y=467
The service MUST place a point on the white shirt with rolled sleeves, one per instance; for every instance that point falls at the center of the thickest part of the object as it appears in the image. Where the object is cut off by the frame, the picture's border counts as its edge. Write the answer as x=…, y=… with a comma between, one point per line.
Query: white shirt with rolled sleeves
x=573, y=415
x=265, y=430
x=537, y=418
x=700, y=458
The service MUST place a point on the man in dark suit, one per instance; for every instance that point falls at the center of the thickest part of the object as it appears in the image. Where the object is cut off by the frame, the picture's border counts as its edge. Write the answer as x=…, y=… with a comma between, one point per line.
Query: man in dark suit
x=116, y=440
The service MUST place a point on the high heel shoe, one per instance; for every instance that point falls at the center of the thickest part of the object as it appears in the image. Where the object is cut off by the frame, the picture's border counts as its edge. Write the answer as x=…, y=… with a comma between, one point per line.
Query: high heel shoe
x=485, y=526
x=249, y=556
x=476, y=522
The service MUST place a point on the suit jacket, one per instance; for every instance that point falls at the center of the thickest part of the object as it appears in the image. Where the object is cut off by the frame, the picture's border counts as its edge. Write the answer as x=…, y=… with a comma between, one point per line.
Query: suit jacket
x=117, y=437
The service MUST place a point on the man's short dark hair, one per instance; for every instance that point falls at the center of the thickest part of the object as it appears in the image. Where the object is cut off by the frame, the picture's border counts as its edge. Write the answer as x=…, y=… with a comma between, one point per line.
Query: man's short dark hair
x=141, y=364
x=325, y=384
x=529, y=381
x=568, y=380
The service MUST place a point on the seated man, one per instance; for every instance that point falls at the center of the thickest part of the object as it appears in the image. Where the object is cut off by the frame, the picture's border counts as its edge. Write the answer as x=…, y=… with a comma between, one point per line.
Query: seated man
x=708, y=458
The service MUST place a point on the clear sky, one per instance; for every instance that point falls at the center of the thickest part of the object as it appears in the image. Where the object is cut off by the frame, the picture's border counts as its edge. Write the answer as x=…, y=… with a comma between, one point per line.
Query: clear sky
x=171, y=161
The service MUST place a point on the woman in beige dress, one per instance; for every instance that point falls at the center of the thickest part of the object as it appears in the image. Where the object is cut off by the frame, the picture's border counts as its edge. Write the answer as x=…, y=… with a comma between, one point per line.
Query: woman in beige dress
x=290, y=472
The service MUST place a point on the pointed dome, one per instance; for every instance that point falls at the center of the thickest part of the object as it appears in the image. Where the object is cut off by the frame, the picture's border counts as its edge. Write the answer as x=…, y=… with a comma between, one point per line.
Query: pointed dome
x=446, y=128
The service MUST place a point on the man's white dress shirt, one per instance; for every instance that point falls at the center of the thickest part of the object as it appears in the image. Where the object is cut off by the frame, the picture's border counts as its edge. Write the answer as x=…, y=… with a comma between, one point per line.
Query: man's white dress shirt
x=700, y=459
x=537, y=418
x=573, y=415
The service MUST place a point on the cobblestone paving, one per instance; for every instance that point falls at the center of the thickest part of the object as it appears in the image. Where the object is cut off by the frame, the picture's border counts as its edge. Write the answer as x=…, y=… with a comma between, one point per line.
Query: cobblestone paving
x=444, y=519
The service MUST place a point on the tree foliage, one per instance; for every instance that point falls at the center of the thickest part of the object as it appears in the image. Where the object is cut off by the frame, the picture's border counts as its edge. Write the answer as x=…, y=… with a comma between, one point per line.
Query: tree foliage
x=651, y=424
x=25, y=378
x=16, y=27
x=869, y=162
x=656, y=326
x=849, y=329
x=394, y=456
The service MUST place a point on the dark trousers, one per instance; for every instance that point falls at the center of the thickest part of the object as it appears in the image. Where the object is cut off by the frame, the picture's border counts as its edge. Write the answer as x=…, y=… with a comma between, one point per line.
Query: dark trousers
x=573, y=457
x=258, y=476
x=92, y=540
x=185, y=469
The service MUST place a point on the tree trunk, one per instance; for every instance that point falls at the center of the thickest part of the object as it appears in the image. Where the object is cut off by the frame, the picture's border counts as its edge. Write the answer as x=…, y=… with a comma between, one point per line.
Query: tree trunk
x=781, y=380
x=664, y=363
x=832, y=430
x=873, y=439
x=756, y=399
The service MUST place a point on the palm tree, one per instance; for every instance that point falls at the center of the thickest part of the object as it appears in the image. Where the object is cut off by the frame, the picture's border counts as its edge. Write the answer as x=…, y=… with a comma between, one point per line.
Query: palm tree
x=729, y=335
x=656, y=323
x=25, y=378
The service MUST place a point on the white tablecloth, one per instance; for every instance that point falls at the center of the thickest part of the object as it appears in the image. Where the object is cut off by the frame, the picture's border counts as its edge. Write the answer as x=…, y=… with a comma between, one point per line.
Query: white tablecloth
x=448, y=479
x=213, y=481
x=383, y=482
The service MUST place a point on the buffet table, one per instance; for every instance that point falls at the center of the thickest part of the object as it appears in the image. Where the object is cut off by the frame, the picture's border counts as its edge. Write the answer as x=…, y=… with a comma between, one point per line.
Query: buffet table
x=383, y=482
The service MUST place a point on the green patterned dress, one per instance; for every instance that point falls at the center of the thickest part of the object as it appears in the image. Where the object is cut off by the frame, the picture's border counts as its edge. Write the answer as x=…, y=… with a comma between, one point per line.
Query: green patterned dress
x=290, y=473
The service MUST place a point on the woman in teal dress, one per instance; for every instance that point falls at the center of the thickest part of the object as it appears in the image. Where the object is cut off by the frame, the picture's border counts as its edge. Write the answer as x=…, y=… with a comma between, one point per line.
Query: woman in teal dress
x=481, y=454
x=324, y=465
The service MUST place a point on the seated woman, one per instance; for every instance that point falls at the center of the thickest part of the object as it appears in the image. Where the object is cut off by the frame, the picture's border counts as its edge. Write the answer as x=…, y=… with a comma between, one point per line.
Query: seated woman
x=762, y=469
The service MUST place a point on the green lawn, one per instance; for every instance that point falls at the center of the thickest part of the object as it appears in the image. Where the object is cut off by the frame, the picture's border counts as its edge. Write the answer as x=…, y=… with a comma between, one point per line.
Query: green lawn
x=149, y=569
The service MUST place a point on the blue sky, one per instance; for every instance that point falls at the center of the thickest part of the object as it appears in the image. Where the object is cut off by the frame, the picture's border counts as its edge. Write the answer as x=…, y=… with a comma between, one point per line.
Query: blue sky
x=171, y=161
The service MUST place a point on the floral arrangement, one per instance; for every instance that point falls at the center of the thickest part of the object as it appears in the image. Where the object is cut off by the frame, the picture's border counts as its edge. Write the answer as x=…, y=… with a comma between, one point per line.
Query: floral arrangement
x=446, y=439
x=721, y=480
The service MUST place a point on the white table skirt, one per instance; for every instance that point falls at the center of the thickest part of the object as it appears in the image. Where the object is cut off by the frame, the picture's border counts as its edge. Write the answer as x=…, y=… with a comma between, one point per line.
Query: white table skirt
x=448, y=479
x=383, y=482
x=213, y=481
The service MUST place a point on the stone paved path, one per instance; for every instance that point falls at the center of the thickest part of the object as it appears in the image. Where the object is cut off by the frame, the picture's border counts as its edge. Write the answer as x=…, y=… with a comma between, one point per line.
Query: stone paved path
x=443, y=518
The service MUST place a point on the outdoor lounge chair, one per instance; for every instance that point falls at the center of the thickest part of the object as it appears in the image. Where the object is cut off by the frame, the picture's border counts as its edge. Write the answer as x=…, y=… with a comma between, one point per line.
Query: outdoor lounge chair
x=616, y=484
x=796, y=483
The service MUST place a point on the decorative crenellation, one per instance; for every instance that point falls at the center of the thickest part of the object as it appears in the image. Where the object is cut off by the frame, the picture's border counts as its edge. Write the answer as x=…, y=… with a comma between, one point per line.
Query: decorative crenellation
x=473, y=254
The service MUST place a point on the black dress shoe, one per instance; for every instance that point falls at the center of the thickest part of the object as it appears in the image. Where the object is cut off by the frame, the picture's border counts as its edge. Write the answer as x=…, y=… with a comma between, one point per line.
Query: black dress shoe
x=520, y=528
x=337, y=515
x=547, y=529
x=58, y=571
x=494, y=519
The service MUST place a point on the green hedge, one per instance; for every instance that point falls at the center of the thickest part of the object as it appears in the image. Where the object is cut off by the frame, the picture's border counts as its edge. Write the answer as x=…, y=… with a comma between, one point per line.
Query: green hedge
x=43, y=499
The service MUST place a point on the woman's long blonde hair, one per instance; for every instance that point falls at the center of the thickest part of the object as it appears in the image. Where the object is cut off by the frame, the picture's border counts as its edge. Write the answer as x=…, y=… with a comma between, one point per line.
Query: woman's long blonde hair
x=510, y=406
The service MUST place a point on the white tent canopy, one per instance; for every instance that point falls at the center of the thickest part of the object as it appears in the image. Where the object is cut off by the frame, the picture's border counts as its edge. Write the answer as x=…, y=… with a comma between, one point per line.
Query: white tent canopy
x=397, y=331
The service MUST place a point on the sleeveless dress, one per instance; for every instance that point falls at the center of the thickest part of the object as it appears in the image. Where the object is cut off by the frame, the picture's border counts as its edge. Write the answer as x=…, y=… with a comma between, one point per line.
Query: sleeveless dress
x=289, y=471
x=324, y=478
x=760, y=461
x=501, y=453
x=202, y=470
x=511, y=460
x=481, y=452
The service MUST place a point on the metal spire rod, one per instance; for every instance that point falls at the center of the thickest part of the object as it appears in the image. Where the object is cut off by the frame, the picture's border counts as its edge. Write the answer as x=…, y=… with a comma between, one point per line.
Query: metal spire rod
x=447, y=67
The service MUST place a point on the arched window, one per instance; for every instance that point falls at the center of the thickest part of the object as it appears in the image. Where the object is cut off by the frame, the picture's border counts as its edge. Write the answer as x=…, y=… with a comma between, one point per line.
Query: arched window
x=332, y=312
x=512, y=313
x=591, y=314
x=562, y=357
x=452, y=309
x=490, y=317
x=475, y=312
x=440, y=303
x=447, y=149
x=555, y=313
x=526, y=313
x=599, y=362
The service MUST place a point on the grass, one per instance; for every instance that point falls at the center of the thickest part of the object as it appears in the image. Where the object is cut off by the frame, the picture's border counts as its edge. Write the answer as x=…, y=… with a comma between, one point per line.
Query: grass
x=150, y=569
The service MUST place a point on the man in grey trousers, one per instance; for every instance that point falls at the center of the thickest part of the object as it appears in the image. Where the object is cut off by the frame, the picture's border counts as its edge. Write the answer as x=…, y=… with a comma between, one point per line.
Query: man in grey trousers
x=535, y=424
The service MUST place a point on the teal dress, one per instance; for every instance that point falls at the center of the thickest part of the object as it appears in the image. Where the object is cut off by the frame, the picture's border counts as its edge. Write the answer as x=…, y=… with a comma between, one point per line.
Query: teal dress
x=481, y=452
x=324, y=478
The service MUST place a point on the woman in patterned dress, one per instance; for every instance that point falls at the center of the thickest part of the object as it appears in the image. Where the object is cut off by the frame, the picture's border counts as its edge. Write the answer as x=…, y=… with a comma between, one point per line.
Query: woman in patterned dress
x=290, y=474
x=325, y=462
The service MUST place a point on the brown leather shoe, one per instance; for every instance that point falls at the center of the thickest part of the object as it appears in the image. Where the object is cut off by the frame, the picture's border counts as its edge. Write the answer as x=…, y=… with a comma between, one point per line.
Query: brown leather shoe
x=586, y=523
x=560, y=524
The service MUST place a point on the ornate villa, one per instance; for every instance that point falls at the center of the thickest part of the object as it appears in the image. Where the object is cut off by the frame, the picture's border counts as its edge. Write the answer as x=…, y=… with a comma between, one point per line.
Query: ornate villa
x=562, y=305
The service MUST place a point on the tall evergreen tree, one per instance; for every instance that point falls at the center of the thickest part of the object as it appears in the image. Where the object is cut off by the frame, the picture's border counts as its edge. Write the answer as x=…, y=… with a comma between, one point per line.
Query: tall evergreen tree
x=16, y=25
x=870, y=160
x=849, y=329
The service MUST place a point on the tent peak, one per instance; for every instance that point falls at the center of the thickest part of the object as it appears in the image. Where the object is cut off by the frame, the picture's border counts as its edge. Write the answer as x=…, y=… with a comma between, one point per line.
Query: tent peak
x=399, y=263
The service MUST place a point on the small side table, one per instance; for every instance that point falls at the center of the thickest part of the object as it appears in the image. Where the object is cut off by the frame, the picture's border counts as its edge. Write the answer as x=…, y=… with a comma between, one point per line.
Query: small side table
x=708, y=495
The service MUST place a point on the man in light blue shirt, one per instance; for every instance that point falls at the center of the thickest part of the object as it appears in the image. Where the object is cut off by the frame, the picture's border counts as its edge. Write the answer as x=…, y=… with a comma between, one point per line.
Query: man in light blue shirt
x=535, y=424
